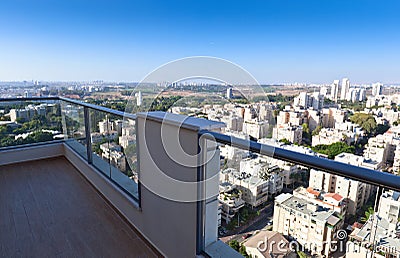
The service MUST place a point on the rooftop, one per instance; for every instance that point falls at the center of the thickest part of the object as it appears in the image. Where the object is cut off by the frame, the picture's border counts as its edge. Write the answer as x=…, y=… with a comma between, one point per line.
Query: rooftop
x=301, y=205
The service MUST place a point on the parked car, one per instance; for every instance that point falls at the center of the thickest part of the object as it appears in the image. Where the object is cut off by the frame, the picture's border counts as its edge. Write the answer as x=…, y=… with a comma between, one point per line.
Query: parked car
x=246, y=236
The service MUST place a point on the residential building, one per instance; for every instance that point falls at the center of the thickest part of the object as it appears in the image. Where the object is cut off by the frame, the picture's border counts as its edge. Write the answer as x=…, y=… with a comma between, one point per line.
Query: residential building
x=345, y=88
x=331, y=135
x=331, y=201
x=334, y=90
x=294, y=134
x=256, y=129
x=269, y=244
x=112, y=152
x=230, y=199
x=382, y=229
x=377, y=89
x=355, y=192
x=311, y=225
x=306, y=100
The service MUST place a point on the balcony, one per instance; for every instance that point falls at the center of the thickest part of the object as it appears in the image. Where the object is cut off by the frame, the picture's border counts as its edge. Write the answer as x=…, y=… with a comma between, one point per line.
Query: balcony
x=49, y=209
x=82, y=192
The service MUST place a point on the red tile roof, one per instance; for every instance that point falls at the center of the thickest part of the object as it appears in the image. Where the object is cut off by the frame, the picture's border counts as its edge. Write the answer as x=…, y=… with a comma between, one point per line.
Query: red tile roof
x=312, y=191
x=335, y=196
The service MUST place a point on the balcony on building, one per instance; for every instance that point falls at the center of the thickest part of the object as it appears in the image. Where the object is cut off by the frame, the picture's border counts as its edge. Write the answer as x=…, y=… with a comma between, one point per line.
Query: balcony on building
x=89, y=187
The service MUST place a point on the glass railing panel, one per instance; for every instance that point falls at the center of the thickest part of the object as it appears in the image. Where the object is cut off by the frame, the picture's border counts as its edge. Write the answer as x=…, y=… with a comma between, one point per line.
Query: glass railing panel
x=27, y=122
x=114, y=149
x=123, y=156
x=74, y=127
x=100, y=135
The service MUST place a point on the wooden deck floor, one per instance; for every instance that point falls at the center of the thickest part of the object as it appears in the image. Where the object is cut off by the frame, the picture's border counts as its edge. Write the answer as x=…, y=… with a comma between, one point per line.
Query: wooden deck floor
x=47, y=209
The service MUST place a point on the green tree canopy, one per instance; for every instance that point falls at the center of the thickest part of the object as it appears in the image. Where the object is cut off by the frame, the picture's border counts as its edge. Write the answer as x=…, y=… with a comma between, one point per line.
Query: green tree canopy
x=333, y=149
x=366, y=121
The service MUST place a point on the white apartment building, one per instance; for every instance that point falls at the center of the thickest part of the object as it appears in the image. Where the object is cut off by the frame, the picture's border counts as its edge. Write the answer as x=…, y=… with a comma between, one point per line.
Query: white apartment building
x=313, y=226
x=287, y=168
x=355, y=192
x=381, y=100
x=106, y=126
x=262, y=168
x=389, y=115
x=396, y=161
x=331, y=201
x=257, y=180
x=292, y=117
x=292, y=133
x=330, y=135
x=382, y=229
x=254, y=190
x=377, y=89
x=230, y=199
x=256, y=129
x=235, y=123
x=306, y=100
x=113, y=153
x=334, y=90
x=381, y=148
x=331, y=116
x=345, y=88
x=314, y=118
x=30, y=111
x=389, y=206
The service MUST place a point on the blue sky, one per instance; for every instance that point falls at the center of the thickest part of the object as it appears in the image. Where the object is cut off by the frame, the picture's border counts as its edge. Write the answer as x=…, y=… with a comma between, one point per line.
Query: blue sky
x=277, y=41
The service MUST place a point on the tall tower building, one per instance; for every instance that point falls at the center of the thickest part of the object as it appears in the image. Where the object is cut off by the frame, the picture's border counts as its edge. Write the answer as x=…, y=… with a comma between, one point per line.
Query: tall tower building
x=345, y=88
x=229, y=93
x=377, y=89
x=139, y=98
x=335, y=90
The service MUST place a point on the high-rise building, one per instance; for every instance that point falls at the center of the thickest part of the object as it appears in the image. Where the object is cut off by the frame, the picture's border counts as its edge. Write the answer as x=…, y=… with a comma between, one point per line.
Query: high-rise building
x=345, y=88
x=229, y=93
x=362, y=95
x=139, y=98
x=335, y=90
x=323, y=91
x=377, y=89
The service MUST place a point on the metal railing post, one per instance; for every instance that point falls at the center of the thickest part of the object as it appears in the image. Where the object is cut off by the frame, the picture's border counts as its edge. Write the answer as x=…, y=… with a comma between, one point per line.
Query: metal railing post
x=88, y=137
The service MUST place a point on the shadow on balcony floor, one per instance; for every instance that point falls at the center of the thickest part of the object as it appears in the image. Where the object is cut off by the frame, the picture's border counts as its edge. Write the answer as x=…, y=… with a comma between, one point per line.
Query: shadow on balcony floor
x=47, y=209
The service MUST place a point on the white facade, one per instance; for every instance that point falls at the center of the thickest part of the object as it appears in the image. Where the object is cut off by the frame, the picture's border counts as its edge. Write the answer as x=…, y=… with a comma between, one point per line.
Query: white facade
x=294, y=134
x=377, y=89
x=345, y=88
x=312, y=226
x=356, y=193
x=334, y=90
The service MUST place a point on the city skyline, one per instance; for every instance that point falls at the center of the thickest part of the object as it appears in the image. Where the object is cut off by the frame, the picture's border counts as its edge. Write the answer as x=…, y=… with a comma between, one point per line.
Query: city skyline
x=277, y=42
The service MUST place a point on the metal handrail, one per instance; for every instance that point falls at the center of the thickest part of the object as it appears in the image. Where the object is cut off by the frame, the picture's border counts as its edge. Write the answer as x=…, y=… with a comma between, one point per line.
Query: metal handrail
x=362, y=174
x=373, y=177
x=86, y=108
x=75, y=102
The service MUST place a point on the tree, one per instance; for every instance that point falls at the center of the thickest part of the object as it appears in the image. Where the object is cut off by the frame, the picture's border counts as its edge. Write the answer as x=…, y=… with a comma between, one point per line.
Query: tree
x=234, y=244
x=366, y=121
x=285, y=141
x=333, y=149
x=317, y=130
x=368, y=213
x=306, y=134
